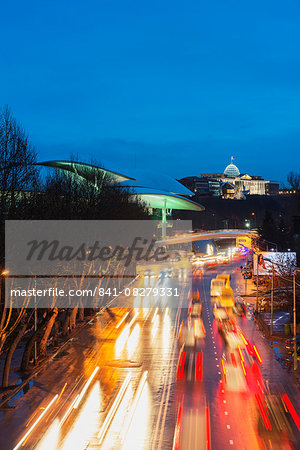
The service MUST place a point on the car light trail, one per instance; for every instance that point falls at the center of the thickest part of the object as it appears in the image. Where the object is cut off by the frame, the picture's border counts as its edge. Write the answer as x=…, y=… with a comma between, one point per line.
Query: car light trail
x=121, y=341
x=122, y=320
x=207, y=441
x=233, y=360
x=180, y=330
x=242, y=336
x=155, y=327
x=180, y=367
x=292, y=410
x=50, y=439
x=199, y=366
x=85, y=422
x=133, y=340
x=263, y=412
x=257, y=354
x=85, y=388
x=68, y=410
x=62, y=391
x=223, y=368
x=154, y=315
x=241, y=354
x=135, y=403
x=35, y=423
x=176, y=439
x=166, y=316
x=243, y=367
x=113, y=408
x=133, y=319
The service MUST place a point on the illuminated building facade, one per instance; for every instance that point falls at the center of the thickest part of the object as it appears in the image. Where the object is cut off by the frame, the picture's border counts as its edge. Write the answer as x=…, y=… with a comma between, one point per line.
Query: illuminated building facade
x=230, y=184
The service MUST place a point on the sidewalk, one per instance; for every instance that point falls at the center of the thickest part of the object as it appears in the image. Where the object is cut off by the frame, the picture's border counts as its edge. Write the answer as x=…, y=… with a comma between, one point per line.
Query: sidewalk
x=277, y=341
x=245, y=288
x=66, y=372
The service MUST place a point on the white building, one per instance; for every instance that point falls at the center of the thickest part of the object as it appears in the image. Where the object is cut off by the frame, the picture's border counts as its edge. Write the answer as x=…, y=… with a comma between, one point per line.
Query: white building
x=233, y=184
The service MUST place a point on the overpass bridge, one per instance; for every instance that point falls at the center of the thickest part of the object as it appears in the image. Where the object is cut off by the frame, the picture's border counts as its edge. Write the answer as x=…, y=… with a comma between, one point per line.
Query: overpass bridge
x=205, y=235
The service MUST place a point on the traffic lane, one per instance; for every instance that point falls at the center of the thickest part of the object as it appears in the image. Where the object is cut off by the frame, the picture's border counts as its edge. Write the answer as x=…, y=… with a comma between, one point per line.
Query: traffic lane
x=73, y=384
x=271, y=370
x=60, y=378
x=189, y=393
x=193, y=416
x=252, y=425
x=225, y=407
x=191, y=428
x=158, y=347
x=65, y=373
x=132, y=347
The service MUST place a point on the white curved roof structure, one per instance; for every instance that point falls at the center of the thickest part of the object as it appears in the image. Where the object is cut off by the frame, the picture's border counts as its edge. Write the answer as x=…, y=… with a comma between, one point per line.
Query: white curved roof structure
x=155, y=189
x=155, y=180
x=161, y=199
x=85, y=170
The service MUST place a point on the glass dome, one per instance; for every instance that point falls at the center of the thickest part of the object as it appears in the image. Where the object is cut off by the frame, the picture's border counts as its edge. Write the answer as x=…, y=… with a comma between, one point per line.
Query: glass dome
x=231, y=171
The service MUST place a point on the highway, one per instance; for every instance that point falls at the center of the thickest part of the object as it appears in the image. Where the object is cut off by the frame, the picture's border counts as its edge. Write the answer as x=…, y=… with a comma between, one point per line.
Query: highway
x=127, y=382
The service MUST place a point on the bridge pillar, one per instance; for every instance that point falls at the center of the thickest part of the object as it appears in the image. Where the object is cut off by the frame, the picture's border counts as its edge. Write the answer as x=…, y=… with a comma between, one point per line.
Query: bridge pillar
x=164, y=220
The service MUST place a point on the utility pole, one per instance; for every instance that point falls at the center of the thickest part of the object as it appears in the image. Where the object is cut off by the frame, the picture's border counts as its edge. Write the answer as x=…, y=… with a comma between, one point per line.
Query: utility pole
x=296, y=269
x=272, y=300
x=164, y=221
x=35, y=321
x=256, y=283
x=295, y=321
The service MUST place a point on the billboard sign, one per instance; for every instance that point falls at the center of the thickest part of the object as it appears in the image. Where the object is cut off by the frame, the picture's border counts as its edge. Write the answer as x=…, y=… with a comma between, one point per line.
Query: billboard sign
x=283, y=262
x=243, y=241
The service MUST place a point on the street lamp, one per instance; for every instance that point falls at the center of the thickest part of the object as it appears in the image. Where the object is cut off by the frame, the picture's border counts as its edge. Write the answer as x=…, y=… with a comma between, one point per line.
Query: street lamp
x=4, y=273
x=297, y=269
x=272, y=300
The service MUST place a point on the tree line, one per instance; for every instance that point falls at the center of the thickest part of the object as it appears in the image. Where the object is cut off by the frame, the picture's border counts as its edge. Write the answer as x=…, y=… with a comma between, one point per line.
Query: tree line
x=27, y=194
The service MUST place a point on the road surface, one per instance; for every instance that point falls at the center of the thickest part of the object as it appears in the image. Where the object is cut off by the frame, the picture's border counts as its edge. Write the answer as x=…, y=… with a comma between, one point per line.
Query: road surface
x=127, y=383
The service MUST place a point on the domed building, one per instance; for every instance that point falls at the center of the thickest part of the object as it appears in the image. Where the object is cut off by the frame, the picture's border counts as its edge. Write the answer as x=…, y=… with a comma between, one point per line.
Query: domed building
x=231, y=171
x=230, y=184
x=237, y=185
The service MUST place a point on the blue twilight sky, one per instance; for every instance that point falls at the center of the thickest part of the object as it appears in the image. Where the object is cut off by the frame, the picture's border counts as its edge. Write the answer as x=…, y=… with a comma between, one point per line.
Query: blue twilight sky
x=176, y=86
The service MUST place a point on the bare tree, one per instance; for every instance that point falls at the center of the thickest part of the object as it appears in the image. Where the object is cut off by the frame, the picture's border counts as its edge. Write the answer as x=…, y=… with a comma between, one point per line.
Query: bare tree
x=49, y=326
x=18, y=336
x=293, y=179
x=18, y=170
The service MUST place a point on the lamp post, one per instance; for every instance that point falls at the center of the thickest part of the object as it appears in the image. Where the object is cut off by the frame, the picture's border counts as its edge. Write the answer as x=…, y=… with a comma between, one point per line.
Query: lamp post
x=4, y=273
x=164, y=221
x=35, y=321
x=295, y=319
x=272, y=300
x=257, y=283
